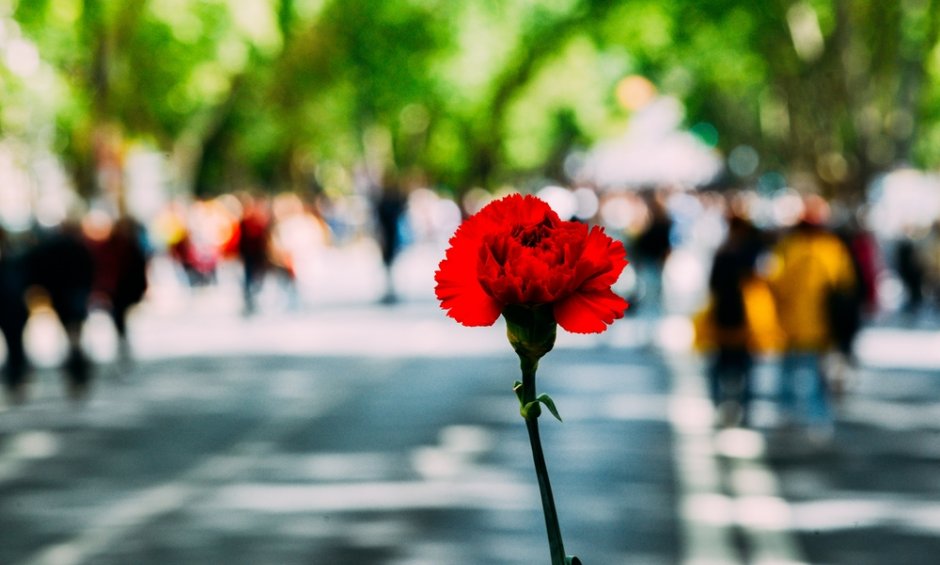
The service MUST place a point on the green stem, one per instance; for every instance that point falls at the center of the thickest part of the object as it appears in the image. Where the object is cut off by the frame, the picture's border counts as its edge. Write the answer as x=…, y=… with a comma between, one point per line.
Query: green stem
x=555, y=544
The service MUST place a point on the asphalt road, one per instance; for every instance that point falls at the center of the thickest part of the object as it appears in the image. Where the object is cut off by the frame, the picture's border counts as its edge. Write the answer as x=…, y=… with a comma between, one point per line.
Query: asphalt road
x=390, y=456
x=389, y=435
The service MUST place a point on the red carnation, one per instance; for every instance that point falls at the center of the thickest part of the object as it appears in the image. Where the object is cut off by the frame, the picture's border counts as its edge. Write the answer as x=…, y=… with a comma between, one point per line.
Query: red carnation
x=516, y=251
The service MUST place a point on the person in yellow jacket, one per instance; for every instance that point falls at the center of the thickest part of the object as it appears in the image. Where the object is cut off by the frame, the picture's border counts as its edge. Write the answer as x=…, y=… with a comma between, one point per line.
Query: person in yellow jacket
x=809, y=266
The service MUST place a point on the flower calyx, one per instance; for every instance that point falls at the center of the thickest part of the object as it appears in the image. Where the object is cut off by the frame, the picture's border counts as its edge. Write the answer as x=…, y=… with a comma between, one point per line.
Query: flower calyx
x=531, y=330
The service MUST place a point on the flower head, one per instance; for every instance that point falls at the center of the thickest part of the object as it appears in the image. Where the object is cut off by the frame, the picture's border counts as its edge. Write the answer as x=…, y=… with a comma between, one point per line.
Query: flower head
x=516, y=251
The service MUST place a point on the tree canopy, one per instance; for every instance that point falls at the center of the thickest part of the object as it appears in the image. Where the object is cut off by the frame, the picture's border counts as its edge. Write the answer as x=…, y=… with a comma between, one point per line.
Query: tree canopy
x=300, y=94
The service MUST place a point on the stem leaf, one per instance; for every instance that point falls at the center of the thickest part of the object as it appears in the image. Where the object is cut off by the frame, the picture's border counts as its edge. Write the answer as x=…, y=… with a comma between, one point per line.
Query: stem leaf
x=517, y=388
x=550, y=404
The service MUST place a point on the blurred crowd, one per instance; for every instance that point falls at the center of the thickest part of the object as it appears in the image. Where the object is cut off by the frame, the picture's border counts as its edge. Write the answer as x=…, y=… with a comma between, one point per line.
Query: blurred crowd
x=98, y=261
x=798, y=291
x=103, y=261
x=795, y=277
x=785, y=279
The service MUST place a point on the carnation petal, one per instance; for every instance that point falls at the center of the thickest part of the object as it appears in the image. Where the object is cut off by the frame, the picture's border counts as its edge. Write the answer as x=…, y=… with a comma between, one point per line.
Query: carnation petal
x=602, y=260
x=589, y=311
x=465, y=300
x=458, y=286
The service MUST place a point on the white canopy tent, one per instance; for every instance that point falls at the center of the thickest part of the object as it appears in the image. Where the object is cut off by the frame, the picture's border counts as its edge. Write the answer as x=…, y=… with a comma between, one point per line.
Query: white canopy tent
x=652, y=152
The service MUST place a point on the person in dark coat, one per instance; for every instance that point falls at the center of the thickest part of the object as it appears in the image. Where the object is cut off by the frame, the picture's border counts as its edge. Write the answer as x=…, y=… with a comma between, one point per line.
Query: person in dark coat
x=389, y=209
x=62, y=264
x=254, y=234
x=650, y=250
x=850, y=308
x=911, y=271
x=732, y=363
x=120, y=254
x=14, y=314
x=129, y=241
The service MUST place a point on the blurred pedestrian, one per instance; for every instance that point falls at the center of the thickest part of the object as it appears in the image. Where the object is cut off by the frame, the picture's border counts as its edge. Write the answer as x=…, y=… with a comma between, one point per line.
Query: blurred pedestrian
x=738, y=323
x=14, y=314
x=910, y=268
x=200, y=233
x=850, y=307
x=650, y=250
x=931, y=261
x=253, y=244
x=63, y=266
x=298, y=237
x=808, y=265
x=120, y=254
x=389, y=212
x=197, y=263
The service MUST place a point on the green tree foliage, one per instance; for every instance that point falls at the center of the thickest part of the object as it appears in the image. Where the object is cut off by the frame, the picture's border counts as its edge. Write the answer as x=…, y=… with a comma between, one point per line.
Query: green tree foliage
x=285, y=93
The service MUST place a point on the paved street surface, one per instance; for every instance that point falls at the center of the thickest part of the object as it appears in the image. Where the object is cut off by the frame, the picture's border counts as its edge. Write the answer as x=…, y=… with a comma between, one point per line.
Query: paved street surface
x=354, y=433
x=397, y=455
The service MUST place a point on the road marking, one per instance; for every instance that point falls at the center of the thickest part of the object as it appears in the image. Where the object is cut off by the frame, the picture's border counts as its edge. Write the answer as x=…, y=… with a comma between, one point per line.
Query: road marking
x=705, y=461
x=488, y=493
x=24, y=447
x=135, y=511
